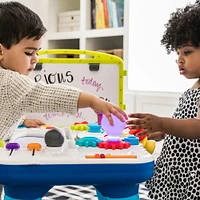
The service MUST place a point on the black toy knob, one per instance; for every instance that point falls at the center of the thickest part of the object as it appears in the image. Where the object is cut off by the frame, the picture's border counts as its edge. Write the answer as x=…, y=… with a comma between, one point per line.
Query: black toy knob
x=54, y=138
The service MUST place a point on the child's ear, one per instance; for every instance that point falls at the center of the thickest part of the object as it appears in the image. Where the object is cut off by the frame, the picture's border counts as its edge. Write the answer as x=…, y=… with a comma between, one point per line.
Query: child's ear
x=1, y=51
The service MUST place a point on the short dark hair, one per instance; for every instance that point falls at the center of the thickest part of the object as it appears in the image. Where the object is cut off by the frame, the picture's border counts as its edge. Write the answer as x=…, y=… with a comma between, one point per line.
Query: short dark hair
x=183, y=27
x=18, y=22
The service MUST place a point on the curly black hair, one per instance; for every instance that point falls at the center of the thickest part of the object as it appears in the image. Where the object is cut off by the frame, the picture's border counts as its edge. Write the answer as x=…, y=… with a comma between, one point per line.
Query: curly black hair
x=183, y=27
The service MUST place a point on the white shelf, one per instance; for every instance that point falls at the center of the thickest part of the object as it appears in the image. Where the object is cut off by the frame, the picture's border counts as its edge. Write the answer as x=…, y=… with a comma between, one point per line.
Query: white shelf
x=64, y=35
x=86, y=38
x=95, y=33
x=107, y=32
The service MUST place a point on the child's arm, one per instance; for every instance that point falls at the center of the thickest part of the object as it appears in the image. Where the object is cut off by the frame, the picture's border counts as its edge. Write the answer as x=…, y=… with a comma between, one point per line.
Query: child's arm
x=26, y=96
x=185, y=128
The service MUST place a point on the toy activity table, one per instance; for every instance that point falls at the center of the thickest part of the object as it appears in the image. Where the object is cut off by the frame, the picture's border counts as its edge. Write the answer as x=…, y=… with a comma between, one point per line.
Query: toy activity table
x=36, y=159
x=30, y=167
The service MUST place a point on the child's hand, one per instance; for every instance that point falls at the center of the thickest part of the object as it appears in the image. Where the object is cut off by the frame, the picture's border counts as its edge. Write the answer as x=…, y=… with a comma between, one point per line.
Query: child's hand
x=32, y=123
x=103, y=107
x=150, y=123
x=157, y=136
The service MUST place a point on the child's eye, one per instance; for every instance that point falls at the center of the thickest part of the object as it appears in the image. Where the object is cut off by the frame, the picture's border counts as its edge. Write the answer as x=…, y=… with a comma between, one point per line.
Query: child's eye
x=187, y=52
x=28, y=54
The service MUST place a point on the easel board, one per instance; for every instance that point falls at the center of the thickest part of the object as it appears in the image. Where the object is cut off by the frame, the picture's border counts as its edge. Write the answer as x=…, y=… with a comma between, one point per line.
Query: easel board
x=101, y=75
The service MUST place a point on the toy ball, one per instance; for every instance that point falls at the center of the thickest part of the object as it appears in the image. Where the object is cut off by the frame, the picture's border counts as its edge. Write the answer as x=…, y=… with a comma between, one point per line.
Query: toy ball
x=114, y=130
x=54, y=138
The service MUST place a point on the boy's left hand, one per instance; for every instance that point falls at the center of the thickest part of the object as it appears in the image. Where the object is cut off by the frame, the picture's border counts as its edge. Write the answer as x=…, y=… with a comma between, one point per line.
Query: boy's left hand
x=32, y=123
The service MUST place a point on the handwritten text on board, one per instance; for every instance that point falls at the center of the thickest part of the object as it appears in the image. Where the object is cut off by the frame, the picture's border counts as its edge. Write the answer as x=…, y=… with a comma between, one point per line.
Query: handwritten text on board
x=49, y=116
x=56, y=77
x=92, y=82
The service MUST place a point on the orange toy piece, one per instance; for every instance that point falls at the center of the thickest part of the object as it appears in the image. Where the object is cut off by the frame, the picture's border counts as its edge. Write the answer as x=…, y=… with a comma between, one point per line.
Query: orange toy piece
x=34, y=146
x=110, y=156
x=47, y=126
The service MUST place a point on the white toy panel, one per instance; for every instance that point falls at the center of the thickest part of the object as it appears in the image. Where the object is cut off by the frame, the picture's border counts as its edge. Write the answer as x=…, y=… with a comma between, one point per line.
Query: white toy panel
x=68, y=153
x=102, y=83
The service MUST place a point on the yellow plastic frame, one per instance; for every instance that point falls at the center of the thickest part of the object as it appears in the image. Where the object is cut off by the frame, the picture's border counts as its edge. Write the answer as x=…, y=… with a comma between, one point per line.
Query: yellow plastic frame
x=97, y=57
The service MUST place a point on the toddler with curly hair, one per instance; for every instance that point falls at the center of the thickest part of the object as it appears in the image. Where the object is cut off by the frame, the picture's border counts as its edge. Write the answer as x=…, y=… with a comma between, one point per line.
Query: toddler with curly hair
x=177, y=170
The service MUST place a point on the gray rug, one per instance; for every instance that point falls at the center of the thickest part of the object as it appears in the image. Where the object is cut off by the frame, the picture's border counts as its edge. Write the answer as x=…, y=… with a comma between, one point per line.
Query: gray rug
x=74, y=192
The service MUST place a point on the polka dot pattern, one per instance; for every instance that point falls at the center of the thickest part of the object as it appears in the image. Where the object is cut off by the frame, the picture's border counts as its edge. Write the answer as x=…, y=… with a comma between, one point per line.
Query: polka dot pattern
x=177, y=170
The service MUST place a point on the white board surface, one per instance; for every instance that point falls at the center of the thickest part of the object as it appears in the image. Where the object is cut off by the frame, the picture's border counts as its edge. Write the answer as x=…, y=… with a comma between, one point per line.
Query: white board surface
x=103, y=83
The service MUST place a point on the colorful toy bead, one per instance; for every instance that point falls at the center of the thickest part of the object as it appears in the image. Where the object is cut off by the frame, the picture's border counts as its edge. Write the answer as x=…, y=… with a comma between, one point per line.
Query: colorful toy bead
x=2, y=143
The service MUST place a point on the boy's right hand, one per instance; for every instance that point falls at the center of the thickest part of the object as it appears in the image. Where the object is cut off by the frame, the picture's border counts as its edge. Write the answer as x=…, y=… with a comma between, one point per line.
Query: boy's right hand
x=102, y=107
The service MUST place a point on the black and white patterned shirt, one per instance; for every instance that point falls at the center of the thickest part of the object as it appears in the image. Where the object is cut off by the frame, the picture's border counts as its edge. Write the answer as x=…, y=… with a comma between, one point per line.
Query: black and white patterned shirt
x=177, y=170
x=20, y=95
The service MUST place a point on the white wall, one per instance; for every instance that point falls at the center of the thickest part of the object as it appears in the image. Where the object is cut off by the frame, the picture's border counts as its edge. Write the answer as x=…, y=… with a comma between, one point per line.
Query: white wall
x=150, y=68
x=158, y=103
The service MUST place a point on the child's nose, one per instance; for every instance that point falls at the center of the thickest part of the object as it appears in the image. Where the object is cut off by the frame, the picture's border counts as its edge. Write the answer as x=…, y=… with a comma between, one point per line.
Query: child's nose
x=34, y=59
x=180, y=60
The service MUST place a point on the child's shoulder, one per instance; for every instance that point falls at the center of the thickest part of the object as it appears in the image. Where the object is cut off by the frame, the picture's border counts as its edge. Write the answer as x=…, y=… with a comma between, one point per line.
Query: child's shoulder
x=9, y=73
x=190, y=94
x=4, y=73
x=12, y=77
x=191, y=90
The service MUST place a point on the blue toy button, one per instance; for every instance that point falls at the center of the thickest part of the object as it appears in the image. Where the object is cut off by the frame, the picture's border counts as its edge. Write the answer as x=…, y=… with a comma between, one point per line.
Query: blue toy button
x=88, y=141
x=132, y=140
x=94, y=128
